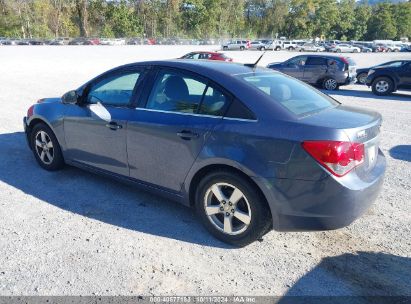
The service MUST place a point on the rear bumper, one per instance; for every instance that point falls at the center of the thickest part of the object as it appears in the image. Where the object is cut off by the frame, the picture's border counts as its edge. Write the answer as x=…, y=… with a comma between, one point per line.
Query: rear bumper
x=331, y=203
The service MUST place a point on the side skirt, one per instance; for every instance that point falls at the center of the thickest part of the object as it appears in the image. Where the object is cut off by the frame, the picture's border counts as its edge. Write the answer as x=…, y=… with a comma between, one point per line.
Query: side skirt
x=154, y=189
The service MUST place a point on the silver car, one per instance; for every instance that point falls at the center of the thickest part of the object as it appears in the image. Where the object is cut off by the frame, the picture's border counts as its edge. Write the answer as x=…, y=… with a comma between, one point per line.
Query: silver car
x=257, y=45
x=236, y=45
x=310, y=47
x=345, y=48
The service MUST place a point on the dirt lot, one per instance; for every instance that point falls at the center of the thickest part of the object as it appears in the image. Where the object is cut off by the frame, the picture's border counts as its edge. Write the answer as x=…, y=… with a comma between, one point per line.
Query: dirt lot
x=71, y=232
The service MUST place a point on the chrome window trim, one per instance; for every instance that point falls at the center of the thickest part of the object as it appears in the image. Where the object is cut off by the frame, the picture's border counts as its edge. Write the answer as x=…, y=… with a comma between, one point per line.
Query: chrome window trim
x=198, y=115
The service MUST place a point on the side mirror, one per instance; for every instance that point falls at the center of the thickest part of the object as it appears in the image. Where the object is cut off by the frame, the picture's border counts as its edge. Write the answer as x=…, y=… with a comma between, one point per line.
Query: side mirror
x=71, y=97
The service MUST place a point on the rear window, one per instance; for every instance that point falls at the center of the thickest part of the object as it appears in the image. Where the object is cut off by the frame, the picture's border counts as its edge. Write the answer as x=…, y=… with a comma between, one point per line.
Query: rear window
x=297, y=97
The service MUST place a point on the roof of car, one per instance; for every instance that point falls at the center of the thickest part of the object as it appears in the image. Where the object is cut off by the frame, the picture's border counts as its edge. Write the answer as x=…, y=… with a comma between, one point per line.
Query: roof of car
x=206, y=52
x=205, y=66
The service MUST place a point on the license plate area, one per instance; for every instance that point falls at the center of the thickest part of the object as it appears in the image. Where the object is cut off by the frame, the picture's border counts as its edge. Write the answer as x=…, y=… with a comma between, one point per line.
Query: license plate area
x=371, y=153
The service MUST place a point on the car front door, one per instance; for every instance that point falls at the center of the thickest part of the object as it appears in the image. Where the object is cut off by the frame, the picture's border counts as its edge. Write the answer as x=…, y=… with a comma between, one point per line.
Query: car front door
x=95, y=129
x=168, y=130
x=295, y=67
x=405, y=76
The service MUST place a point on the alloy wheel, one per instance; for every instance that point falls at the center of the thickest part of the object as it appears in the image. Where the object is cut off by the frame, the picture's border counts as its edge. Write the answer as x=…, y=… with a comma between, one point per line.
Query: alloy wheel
x=382, y=86
x=44, y=147
x=227, y=208
x=330, y=84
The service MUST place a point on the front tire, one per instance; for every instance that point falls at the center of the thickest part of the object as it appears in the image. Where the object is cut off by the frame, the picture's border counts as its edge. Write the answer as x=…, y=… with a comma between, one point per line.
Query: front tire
x=382, y=86
x=46, y=148
x=362, y=78
x=231, y=209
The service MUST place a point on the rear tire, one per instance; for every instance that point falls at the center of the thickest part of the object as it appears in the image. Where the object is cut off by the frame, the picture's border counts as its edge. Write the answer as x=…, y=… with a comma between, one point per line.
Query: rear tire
x=46, y=148
x=382, y=86
x=262, y=48
x=330, y=84
x=291, y=48
x=225, y=48
x=231, y=209
x=242, y=48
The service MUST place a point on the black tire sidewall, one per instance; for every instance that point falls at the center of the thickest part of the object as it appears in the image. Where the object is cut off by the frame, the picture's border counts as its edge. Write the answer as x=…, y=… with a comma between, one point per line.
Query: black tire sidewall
x=260, y=215
x=359, y=76
x=58, y=161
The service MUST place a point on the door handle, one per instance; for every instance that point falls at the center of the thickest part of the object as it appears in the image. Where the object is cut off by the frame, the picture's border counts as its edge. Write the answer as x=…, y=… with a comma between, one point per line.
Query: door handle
x=187, y=135
x=113, y=125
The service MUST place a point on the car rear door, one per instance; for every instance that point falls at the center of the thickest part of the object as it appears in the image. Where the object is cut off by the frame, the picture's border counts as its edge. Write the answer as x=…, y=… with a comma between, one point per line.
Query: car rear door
x=95, y=129
x=315, y=69
x=168, y=129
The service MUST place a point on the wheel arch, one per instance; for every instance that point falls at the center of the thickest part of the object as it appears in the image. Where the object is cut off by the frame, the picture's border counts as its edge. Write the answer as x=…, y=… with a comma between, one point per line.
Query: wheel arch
x=201, y=173
x=35, y=121
x=394, y=82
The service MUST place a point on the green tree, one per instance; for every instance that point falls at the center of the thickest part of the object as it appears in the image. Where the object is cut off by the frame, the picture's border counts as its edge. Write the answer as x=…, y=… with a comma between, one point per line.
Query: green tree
x=402, y=16
x=381, y=25
x=362, y=14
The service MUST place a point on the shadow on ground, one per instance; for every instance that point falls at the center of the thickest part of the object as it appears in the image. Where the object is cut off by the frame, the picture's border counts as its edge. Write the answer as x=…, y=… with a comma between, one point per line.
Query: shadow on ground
x=364, y=274
x=397, y=96
x=98, y=197
x=401, y=152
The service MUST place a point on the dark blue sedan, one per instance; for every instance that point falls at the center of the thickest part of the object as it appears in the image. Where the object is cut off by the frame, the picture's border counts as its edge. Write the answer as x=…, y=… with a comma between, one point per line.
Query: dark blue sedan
x=249, y=148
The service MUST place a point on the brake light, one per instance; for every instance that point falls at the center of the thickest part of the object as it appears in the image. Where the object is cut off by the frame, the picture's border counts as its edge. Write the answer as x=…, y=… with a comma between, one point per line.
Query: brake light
x=30, y=111
x=338, y=157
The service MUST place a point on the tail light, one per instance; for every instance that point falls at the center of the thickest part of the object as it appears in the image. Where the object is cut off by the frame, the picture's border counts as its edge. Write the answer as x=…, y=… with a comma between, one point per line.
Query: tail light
x=338, y=157
x=30, y=111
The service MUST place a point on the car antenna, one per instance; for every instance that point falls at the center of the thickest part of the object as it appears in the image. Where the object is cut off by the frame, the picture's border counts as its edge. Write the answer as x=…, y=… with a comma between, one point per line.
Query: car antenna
x=254, y=65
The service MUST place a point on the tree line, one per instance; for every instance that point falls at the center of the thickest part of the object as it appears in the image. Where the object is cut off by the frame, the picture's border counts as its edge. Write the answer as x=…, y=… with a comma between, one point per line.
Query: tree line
x=332, y=19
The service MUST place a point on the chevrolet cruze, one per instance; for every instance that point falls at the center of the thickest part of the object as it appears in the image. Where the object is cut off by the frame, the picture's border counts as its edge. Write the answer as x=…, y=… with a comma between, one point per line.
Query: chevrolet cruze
x=249, y=148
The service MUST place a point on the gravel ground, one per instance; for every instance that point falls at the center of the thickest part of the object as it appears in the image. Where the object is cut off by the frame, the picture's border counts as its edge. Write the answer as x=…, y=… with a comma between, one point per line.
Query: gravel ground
x=75, y=233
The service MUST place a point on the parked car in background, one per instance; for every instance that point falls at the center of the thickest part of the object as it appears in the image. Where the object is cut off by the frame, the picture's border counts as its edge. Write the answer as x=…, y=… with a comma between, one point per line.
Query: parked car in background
x=387, y=79
x=289, y=45
x=9, y=41
x=37, y=42
x=393, y=47
x=23, y=42
x=236, y=45
x=80, y=41
x=257, y=45
x=310, y=47
x=60, y=41
x=249, y=149
x=363, y=48
x=207, y=56
x=328, y=72
x=345, y=48
x=135, y=41
x=379, y=48
x=362, y=73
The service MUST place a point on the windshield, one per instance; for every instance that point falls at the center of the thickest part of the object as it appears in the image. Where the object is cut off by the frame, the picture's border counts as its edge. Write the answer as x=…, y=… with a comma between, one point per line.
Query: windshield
x=295, y=96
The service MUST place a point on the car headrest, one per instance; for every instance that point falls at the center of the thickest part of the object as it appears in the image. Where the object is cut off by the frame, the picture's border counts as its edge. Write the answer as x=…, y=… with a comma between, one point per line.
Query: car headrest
x=176, y=88
x=280, y=91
